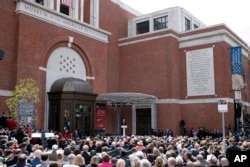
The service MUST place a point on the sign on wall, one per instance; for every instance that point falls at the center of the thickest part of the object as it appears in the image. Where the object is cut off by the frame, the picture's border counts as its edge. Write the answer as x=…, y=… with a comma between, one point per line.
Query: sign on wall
x=200, y=72
x=100, y=117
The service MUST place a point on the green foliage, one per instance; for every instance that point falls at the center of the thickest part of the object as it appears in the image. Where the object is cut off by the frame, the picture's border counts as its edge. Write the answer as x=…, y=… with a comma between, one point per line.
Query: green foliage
x=26, y=91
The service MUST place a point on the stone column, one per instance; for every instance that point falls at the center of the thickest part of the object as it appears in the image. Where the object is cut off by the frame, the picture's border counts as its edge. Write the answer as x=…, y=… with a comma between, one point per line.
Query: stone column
x=94, y=13
x=133, y=119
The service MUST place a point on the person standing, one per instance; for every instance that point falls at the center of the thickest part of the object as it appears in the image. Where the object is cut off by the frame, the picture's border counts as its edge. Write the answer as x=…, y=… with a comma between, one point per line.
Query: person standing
x=3, y=120
x=11, y=124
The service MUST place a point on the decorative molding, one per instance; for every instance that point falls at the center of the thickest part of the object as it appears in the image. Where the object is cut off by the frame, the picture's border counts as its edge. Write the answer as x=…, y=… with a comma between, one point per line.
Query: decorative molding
x=212, y=37
x=40, y=12
x=196, y=101
x=5, y=93
x=71, y=40
x=146, y=39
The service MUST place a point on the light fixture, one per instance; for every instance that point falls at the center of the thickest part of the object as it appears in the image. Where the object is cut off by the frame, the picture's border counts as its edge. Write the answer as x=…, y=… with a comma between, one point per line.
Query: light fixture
x=118, y=104
x=113, y=104
x=130, y=104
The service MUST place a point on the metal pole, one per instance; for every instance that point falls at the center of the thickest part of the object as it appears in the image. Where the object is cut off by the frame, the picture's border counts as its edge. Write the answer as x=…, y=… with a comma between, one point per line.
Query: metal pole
x=223, y=131
x=118, y=120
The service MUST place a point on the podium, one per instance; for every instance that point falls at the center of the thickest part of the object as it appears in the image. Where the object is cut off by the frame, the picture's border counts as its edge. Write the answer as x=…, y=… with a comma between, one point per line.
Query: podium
x=124, y=129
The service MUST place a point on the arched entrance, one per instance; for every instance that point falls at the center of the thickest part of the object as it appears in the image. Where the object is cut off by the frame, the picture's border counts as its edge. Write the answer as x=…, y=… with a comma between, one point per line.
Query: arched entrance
x=71, y=106
x=63, y=62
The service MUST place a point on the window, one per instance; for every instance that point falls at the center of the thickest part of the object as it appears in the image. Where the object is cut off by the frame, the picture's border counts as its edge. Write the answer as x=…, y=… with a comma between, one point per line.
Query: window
x=40, y=2
x=187, y=24
x=161, y=23
x=196, y=26
x=64, y=9
x=65, y=6
x=142, y=27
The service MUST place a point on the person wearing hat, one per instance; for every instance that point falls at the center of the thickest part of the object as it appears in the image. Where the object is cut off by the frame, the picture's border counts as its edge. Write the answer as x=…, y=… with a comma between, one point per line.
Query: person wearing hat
x=139, y=146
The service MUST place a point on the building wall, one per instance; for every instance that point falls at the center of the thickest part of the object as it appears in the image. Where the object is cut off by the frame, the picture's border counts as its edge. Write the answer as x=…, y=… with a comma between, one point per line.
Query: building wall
x=114, y=19
x=8, y=43
x=155, y=64
x=31, y=41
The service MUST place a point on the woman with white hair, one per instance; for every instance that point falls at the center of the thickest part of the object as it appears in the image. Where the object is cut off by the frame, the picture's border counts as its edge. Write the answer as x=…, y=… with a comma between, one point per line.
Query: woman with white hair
x=71, y=161
x=179, y=161
x=145, y=163
x=37, y=158
x=136, y=162
x=120, y=163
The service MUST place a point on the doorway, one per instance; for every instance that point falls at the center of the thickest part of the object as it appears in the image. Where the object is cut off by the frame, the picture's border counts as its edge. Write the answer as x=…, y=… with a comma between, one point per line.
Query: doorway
x=83, y=118
x=143, y=121
x=72, y=104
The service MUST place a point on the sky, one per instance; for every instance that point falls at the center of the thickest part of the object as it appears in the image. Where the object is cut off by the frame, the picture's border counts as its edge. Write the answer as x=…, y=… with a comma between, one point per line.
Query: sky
x=234, y=13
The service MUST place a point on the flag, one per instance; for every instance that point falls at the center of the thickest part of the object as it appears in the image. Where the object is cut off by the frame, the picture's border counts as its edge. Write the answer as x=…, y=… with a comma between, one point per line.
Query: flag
x=236, y=60
x=67, y=2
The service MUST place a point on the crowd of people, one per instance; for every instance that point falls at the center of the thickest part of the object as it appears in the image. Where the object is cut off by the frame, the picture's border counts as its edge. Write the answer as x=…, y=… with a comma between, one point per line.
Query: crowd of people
x=18, y=148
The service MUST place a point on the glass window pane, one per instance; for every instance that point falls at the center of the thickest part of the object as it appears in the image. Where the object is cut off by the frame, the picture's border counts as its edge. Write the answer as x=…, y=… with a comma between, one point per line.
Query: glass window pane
x=160, y=23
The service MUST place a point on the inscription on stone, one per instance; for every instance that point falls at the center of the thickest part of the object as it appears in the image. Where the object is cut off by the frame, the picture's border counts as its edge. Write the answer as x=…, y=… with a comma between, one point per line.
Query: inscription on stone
x=200, y=72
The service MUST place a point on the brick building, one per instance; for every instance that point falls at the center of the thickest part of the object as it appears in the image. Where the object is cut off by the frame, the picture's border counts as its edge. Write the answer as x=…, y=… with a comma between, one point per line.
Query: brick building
x=167, y=68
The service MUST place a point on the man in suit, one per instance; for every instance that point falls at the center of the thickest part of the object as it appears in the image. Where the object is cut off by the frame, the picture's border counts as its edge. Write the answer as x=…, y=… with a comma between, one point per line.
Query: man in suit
x=85, y=154
x=231, y=147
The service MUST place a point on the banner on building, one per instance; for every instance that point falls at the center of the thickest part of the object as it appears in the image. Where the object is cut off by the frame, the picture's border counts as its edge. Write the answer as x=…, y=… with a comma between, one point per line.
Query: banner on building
x=26, y=114
x=236, y=67
x=236, y=60
x=100, y=117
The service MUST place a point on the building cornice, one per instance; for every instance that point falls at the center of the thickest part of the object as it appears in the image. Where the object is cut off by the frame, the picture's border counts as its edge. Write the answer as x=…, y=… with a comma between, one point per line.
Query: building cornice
x=148, y=39
x=212, y=37
x=196, y=101
x=207, y=36
x=50, y=16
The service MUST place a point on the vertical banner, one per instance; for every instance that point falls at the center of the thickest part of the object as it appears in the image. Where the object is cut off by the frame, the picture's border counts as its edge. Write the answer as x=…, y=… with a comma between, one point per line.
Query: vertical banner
x=236, y=60
x=236, y=67
x=100, y=117
x=26, y=114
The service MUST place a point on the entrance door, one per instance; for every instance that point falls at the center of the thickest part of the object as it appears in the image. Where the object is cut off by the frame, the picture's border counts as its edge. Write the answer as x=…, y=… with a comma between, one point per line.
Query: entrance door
x=83, y=117
x=143, y=121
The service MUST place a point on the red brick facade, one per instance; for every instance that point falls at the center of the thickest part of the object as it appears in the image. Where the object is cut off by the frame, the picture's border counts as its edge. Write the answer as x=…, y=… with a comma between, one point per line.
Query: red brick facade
x=153, y=64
